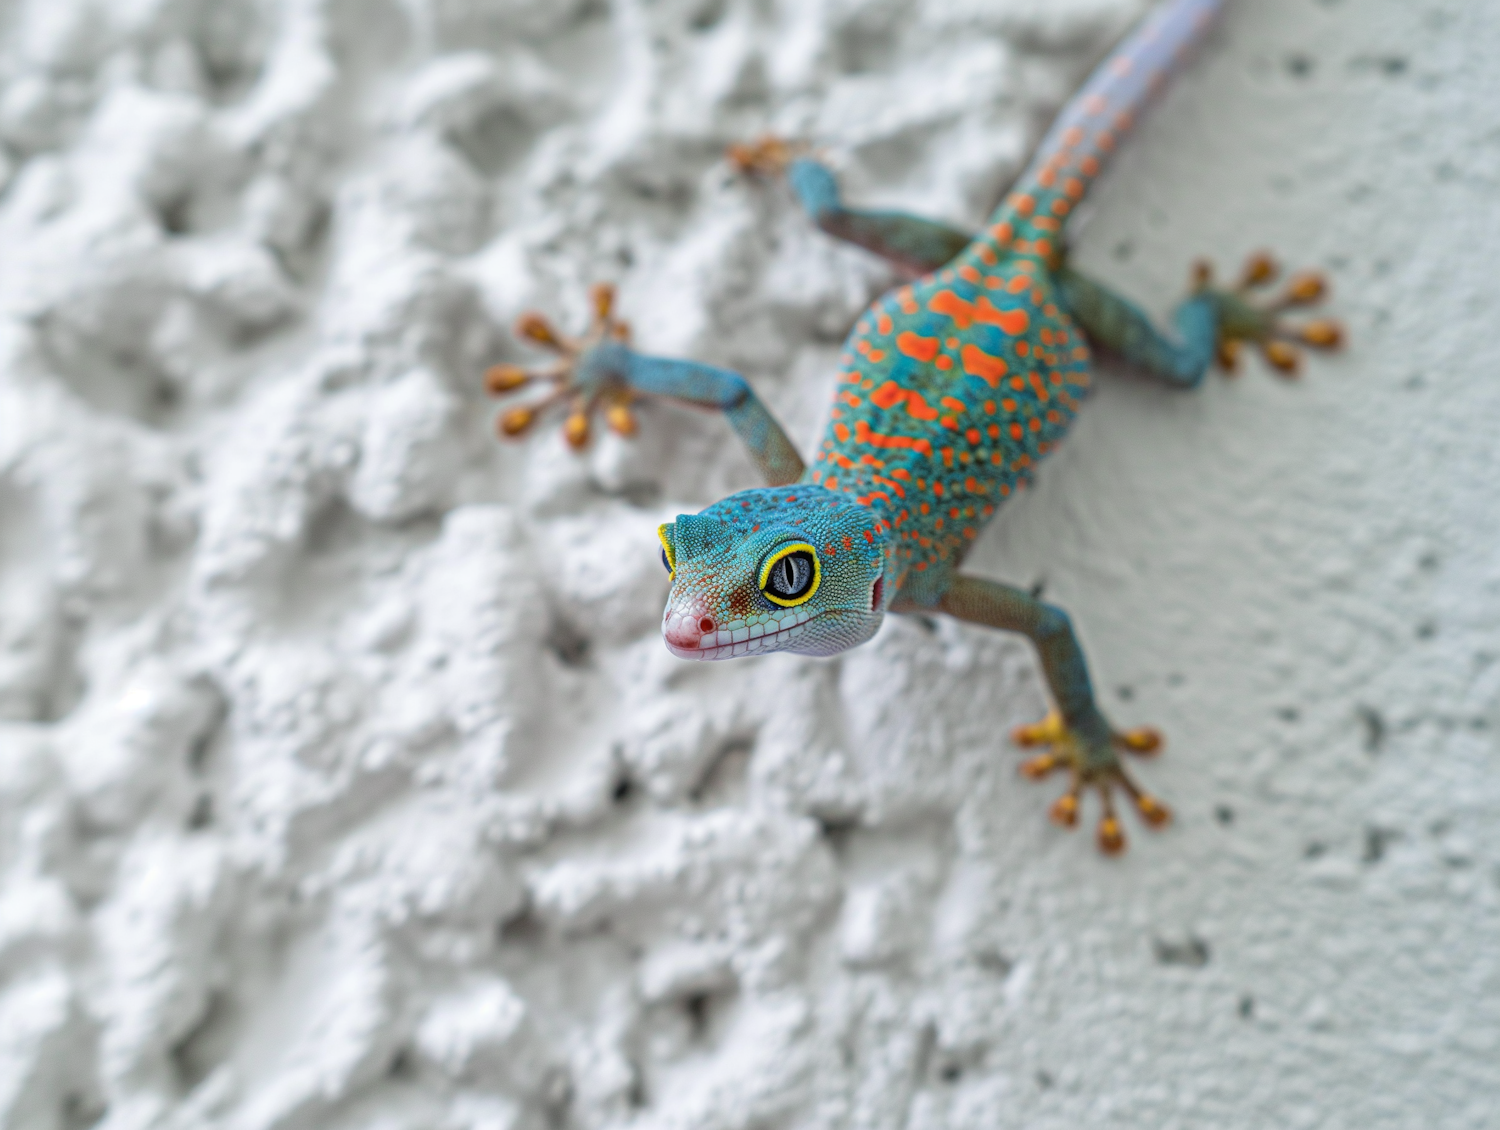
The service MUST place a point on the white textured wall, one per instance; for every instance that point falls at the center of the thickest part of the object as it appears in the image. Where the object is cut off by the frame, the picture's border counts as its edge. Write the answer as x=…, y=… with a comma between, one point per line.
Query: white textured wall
x=345, y=781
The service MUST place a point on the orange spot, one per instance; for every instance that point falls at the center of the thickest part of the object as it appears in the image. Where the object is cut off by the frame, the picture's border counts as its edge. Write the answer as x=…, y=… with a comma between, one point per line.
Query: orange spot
x=972, y=435
x=901, y=473
x=1043, y=247
x=1003, y=233
x=1073, y=187
x=1047, y=177
x=956, y=405
x=831, y=484
x=842, y=432
x=877, y=355
x=944, y=363
x=1018, y=284
x=869, y=537
x=946, y=302
x=949, y=422
x=1089, y=166
x=1046, y=223
x=986, y=255
x=883, y=324
x=1072, y=137
x=1041, y=389
x=917, y=347
x=1012, y=322
x=888, y=395
x=989, y=406
x=861, y=347
x=1022, y=348
x=1023, y=204
x=994, y=430
x=968, y=273
x=1105, y=140
x=1036, y=424
x=1061, y=206
x=848, y=544
x=1095, y=104
x=978, y=363
x=918, y=407
x=1016, y=432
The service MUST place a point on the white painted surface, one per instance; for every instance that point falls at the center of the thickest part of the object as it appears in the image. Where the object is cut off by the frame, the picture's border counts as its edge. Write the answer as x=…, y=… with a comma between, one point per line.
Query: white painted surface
x=319, y=701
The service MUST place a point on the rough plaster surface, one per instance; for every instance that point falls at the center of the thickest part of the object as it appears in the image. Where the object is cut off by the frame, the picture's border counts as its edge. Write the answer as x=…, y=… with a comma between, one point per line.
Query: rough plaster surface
x=344, y=780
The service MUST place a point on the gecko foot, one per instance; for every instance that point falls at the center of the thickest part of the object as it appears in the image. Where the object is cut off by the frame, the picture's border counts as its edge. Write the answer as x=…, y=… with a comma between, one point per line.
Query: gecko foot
x=563, y=376
x=1261, y=322
x=1091, y=765
x=766, y=156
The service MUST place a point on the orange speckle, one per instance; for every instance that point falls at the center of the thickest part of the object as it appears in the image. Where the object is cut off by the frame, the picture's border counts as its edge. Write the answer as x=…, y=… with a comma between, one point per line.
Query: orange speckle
x=1022, y=348
x=1089, y=167
x=1043, y=248
x=888, y=395
x=1039, y=387
x=968, y=273
x=918, y=407
x=989, y=406
x=956, y=405
x=1047, y=177
x=987, y=255
x=1073, y=187
x=994, y=430
x=1054, y=416
x=1036, y=424
x=1095, y=104
x=1012, y=322
x=1018, y=284
x=917, y=347
x=972, y=435
x=831, y=484
x=944, y=363
x=1023, y=204
x=1105, y=140
x=946, y=302
x=877, y=356
x=1016, y=432
x=901, y=473
x=949, y=422
x=978, y=363
x=1003, y=233
x=1061, y=206
x=842, y=432
x=1072, y=137
x=883, y=323
x=870, y=537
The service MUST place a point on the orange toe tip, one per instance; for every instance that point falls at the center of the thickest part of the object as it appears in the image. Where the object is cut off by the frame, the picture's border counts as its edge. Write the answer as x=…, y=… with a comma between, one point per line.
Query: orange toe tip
x=500, y=379
x=1153, y=812
x=576, y=430
x=1306, y=286
x=535, y=327
x=1260, y=269
x=1322, y=334
x=602, y=296
x=621, y=420
x=515, y=422
x=1035, y=768
x=1144, y=741
x=1064, y=811
x=1111, y=836
x=1282, y=357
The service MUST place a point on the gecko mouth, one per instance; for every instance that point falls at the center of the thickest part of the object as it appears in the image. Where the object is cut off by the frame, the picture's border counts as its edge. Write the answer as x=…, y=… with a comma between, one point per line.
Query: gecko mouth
x=735, y=640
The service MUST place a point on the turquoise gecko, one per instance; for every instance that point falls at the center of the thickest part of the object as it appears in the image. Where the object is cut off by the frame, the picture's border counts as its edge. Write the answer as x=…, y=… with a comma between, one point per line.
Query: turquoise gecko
x=953, y=389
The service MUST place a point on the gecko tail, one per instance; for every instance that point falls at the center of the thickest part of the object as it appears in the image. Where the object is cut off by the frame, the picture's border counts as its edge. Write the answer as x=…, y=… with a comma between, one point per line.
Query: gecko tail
x=1079, y=144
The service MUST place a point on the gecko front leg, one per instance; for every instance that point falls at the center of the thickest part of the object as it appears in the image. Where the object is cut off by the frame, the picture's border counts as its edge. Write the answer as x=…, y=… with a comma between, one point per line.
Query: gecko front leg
x=600, y=370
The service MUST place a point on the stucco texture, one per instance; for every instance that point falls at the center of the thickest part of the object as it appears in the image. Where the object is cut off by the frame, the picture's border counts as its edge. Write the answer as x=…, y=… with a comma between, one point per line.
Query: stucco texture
x=344, y=779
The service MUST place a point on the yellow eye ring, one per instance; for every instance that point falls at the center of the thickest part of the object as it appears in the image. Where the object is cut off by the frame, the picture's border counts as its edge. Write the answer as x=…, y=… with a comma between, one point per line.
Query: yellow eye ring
x=667, y=551
x=770, y=563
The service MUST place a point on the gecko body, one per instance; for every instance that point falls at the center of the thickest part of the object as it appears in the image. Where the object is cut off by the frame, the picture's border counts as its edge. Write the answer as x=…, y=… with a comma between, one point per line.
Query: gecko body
x=952, y=390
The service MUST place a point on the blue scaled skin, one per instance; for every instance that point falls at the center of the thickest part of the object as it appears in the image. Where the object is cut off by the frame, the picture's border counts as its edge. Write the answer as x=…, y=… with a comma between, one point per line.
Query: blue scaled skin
x=953, y=388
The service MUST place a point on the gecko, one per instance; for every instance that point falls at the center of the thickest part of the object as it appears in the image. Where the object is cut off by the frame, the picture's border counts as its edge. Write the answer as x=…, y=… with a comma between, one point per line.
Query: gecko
x=953, y=387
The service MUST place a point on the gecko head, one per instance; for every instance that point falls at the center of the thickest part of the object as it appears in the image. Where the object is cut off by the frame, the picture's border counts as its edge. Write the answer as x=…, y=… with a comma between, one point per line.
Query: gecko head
x=782, y=569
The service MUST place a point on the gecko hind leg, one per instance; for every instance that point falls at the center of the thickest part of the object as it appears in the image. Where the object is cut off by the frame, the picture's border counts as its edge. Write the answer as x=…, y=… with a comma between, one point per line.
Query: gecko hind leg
x=913, y=243
x=1213, y=323
x=1075, y=737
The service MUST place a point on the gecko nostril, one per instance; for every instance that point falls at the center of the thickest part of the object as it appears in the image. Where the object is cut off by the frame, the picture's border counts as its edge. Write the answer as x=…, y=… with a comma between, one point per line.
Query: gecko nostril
x=706, y=624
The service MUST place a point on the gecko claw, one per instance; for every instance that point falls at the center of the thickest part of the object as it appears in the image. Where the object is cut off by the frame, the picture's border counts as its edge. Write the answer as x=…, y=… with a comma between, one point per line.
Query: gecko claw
x=562, y=375
x=1111, y=835
x=766, y=156
x=1258, y=321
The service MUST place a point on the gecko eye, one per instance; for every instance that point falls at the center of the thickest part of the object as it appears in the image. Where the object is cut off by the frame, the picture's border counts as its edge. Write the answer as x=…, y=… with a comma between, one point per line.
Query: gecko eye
x=790, y=575
x=668, y=553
